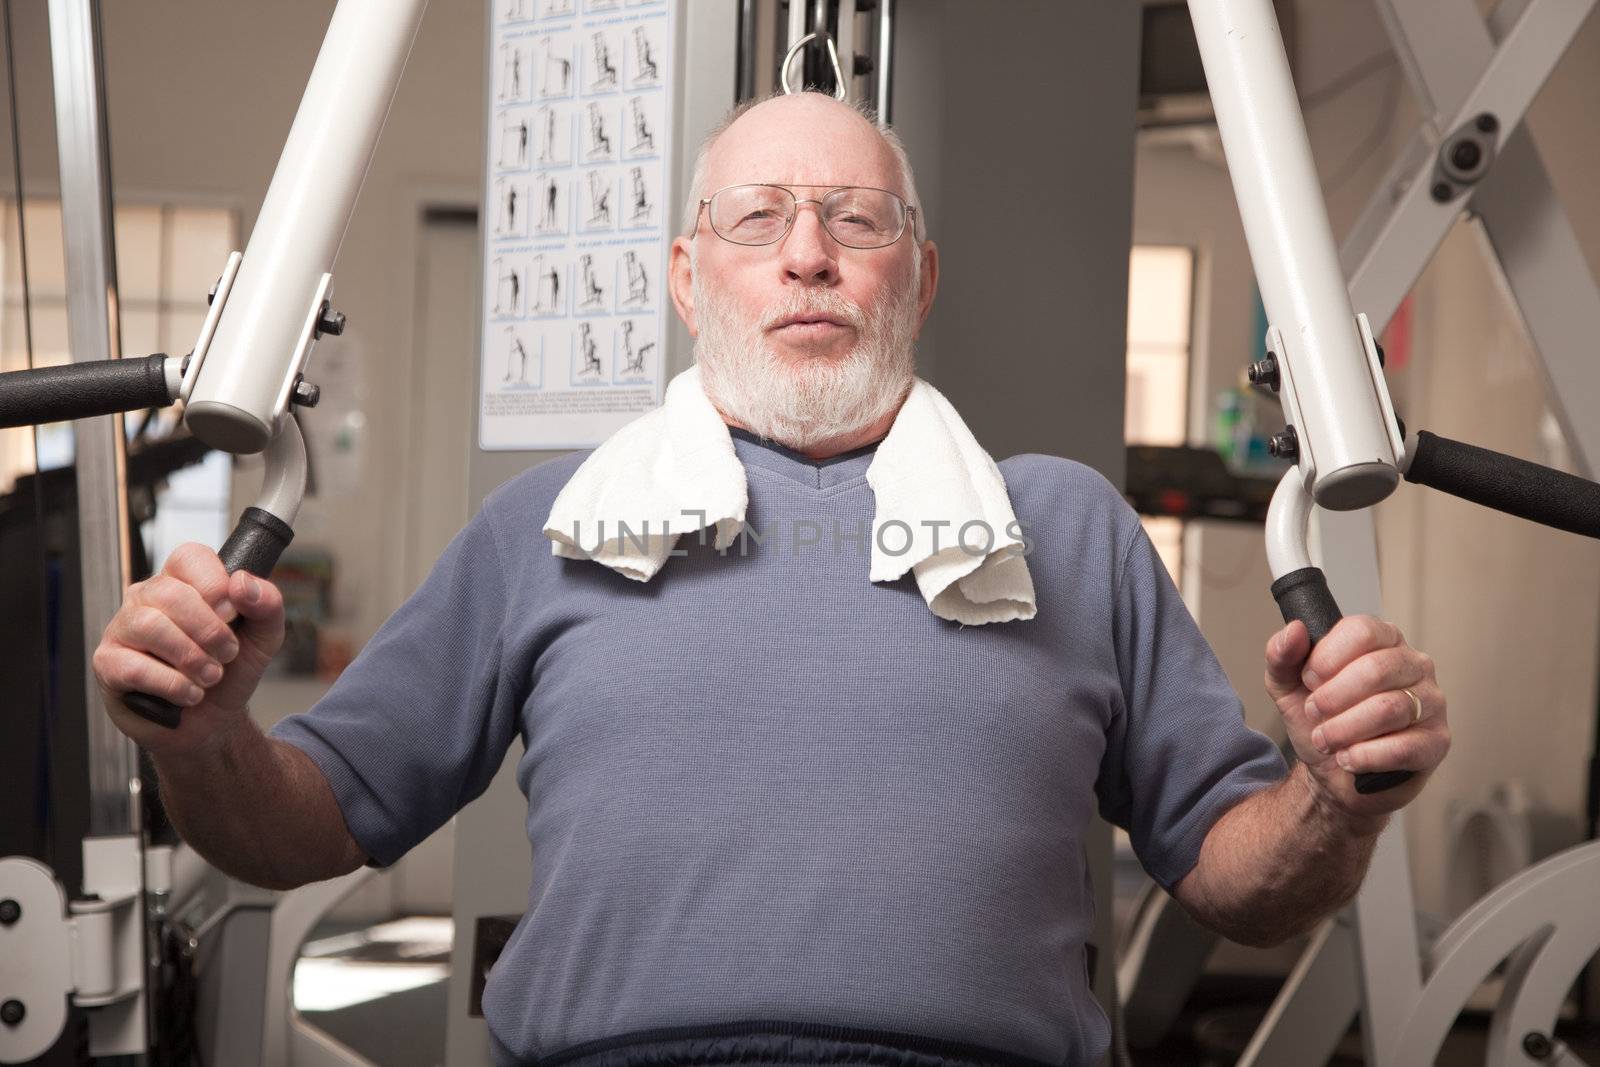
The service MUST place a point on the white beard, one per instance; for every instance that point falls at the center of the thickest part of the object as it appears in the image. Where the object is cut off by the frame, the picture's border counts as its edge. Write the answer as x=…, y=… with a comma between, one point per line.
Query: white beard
x=809, y=401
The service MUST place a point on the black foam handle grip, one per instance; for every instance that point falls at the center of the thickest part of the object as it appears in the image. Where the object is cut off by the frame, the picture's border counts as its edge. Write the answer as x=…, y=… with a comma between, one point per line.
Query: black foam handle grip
x=256, y=543
x=82, y=390
x=1304, y=595
x=254, y=547
x=1505, y=483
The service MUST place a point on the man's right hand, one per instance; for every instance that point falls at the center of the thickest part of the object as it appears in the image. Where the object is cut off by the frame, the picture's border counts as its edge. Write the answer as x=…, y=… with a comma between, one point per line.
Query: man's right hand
x=171, y=638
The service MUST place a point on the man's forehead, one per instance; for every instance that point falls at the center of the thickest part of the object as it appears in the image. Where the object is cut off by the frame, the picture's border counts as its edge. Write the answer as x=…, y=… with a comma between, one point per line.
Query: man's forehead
x=799, y=140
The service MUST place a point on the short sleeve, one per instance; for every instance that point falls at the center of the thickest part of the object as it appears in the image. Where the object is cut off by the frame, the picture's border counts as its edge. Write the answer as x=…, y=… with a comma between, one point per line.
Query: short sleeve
x=1179, y=754
x=416, y=727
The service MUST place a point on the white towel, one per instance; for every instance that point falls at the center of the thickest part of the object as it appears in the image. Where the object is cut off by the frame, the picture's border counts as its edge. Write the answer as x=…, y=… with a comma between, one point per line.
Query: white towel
x=673, y=471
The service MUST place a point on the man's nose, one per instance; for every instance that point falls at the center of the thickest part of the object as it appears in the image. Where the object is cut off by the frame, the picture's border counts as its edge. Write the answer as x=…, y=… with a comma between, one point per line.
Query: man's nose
x=809, y=254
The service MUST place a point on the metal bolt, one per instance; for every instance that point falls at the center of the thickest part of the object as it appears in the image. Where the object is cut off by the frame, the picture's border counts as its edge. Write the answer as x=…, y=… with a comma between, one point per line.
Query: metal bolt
x=1487, y=123
x=1264, y=372
x=1285, y=445
x=12, y=1012
x=10, y=911
x=1537, y=1045
x=1466, y=156
x=1442, y=191
x=306, y=394
x=331, y=322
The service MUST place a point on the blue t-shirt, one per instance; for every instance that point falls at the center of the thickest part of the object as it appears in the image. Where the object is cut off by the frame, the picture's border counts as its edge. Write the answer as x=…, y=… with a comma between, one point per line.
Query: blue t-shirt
x=761, y=787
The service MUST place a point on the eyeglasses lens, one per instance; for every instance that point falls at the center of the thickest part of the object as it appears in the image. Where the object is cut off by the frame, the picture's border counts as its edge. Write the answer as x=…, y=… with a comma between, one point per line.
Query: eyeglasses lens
x=761, y=214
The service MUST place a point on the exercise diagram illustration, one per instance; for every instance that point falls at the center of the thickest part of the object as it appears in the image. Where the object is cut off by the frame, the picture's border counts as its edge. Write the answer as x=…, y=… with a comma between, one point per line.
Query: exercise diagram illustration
x=546, y=285
x=510, y=210
x=600, y=146
x=574, y=203
x=599, y=216
x=557, y=80
x=589, y=350
x=644, y=59
x=592, y=297
x=552, y=213
x=517, y=356
x=513, y=73
x=554, y=149
x=633, y=359
x=641, y=205
x=514, y=132
x=636, y=281
x=605, y=71
x=643, y=137
x=508, y=287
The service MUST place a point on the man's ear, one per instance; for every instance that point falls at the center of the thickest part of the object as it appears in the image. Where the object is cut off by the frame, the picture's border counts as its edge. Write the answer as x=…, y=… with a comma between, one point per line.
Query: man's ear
x=680, y=279
x=928, y=283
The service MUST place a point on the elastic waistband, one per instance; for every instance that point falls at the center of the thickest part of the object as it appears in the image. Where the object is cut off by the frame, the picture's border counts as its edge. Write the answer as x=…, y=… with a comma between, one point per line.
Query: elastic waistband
x=780, y=1044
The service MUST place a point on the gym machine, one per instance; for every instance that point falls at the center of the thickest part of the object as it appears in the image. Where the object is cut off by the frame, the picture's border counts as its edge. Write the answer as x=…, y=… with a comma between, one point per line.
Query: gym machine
x=240, y=386
x=1351, y=449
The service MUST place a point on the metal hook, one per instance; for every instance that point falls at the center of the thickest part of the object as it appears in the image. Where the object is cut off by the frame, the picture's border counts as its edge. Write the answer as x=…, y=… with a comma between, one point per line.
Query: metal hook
x=833, y=57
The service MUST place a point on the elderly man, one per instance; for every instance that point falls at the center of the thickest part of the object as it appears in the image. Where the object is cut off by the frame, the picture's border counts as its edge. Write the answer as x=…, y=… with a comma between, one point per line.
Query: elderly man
x=779, y=811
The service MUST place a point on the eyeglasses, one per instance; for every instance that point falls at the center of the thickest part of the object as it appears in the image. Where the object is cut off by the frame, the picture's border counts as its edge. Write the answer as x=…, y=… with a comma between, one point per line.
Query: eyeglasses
x=855, y=216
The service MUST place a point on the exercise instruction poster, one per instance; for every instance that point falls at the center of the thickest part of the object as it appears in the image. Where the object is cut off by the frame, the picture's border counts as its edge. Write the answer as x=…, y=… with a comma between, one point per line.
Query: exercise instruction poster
x=576, y=226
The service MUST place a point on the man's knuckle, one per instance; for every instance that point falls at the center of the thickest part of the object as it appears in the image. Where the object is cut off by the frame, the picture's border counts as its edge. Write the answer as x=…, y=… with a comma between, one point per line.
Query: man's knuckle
x=155, y=588
x=147, y=621
x=1393, y=663
x=1400, y=710
x=223, y=642
x=1355, y=758
x=1369, y=672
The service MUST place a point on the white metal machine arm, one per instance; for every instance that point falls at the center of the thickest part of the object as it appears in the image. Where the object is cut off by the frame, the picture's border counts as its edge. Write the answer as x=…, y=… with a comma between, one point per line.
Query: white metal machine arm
x=1342, y=429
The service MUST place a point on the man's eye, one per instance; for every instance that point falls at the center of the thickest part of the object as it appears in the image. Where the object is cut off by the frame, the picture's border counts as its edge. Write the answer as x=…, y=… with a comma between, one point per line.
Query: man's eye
x=856, y=222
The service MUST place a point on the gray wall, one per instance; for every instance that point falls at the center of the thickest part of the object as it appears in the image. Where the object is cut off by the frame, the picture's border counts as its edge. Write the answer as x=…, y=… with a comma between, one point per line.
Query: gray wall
x=1020, y=125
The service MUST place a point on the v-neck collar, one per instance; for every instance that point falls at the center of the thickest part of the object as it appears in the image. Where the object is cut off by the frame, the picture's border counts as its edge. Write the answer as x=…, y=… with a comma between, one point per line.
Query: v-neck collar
x=796, y=466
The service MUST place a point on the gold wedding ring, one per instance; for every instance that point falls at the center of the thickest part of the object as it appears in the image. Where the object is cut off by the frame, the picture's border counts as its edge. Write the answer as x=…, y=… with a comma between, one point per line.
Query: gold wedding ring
x=1416, y=706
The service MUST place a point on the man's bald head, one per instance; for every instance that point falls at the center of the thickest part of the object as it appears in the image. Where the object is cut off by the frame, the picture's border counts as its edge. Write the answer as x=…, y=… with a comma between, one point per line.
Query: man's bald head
x=734, y=148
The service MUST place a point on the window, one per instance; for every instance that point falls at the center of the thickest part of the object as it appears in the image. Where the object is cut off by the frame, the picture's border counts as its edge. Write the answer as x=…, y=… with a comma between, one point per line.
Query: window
x=1160, y=294
x=168, y=256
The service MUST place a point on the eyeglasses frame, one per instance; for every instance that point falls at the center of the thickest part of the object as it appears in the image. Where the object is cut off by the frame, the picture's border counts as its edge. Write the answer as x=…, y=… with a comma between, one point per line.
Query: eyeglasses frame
x=910, y=225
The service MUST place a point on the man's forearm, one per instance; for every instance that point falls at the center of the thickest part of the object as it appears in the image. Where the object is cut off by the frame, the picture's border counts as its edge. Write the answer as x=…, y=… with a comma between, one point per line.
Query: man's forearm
x=1277, y=862
x=259, y=810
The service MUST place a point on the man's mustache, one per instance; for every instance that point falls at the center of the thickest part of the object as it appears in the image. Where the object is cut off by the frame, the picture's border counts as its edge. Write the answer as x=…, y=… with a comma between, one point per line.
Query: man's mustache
x=817, y=302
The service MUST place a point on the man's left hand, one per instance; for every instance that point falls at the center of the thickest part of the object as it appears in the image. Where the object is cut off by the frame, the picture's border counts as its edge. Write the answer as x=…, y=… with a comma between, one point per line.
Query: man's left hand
x=1347, y=711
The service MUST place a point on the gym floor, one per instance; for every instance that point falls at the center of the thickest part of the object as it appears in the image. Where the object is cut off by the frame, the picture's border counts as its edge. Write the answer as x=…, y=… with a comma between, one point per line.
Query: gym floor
x=1225, y=1010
